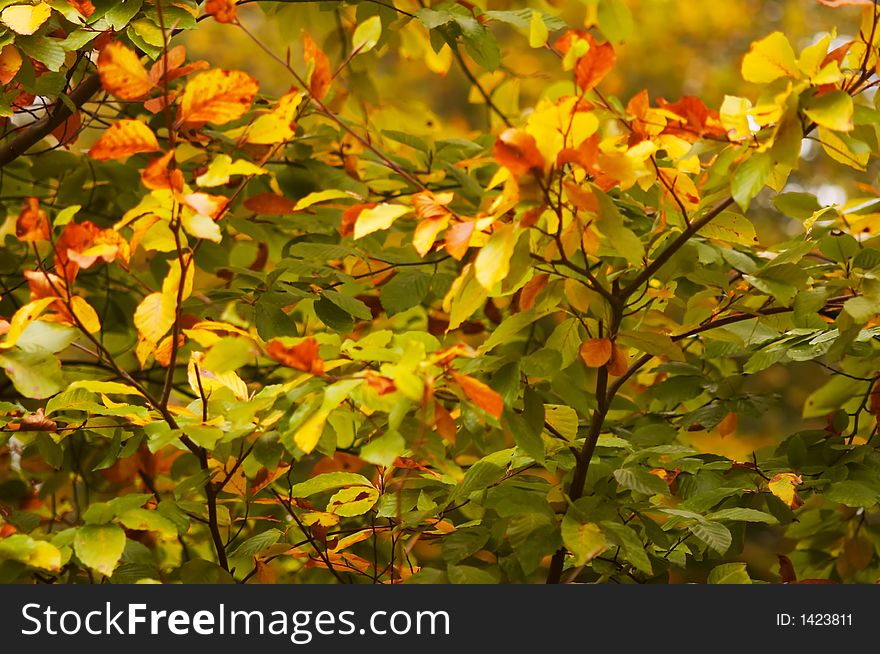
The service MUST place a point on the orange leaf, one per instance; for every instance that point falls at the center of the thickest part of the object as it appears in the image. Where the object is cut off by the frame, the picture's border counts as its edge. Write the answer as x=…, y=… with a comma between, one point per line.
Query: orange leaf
x=697, y=120
x=320, y=74
x=517, y=151
x=33, y=223
x=10, y=63
x=223, y=11
x=269, y=204
x=728, y=424
x=595, y=64
x=82, y=244
x=158, y=176
x=480, y=394
x=123, y=139
x=444, y=423
x=531, y=290
x=122, y=72
x=619, y=363
x=217, y=97
x=302, y=356
x=596, y=352
x=174, y=60
x=84, y=7
x=458, y=239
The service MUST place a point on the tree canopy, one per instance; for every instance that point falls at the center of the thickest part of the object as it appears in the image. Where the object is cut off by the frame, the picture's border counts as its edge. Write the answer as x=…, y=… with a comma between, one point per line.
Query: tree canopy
x=429, y=292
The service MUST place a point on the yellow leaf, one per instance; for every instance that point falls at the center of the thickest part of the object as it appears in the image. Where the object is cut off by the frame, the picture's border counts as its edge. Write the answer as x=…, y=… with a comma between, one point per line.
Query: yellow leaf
x=25, y=19
x=379, y=217
x=769, y=59
x=833, y=110
x=217, y=96
x=171, y=284
x=276, y=126
x=308, y=435
x=320, y=196
x=222, y=168
x=45, y=556
x=734, y=115
x=538, y=31
x=202, y=380
x=353, y=501
x=104, y=387
x=86, y=315
x=840, y=147
x=493, y=261
x=201, y=226
x=784, y=486
x=153, y=318
x=367, y=35
x=24, y=317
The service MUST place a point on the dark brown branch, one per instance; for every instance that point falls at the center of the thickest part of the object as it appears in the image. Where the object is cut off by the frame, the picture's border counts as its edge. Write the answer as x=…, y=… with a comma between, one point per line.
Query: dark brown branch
x=37, y=131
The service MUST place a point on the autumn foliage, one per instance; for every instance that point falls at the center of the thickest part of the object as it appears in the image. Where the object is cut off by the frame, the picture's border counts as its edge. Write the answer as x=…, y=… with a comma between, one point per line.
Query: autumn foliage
x=257, y=335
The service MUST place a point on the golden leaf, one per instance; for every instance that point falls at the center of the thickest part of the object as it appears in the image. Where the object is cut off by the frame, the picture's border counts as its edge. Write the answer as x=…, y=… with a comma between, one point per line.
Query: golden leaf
x=123, y=139
x=122, y=73
x=217, y=97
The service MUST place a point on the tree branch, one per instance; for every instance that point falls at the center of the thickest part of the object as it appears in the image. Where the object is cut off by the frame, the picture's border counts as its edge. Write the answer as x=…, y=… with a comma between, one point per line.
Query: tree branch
x=36, y=132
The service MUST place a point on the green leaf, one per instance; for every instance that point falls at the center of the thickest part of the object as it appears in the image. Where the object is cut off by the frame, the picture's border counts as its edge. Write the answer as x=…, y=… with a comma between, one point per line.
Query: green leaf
x=466, y=574
x=615, y=20
x=585, y=540
x=44, y=49
x=714, y=534
x=121, y=13
x=641, y=481
x=852, y=493
x=633, y=549
x=100, y=547
x=797, y=205
x=483, y=474
x=833, y=110
x=256, y=544
x=563, y=419
x=404, y=291
x=146, y=520
x=659, y=345
x=328, y=481
x=741, y=514
x=618, y=238
x=750, y=177
x=367, y=35
x=31, y=552
x=480, y=43
x=729, y=573
x=350, y=305
x=34, y=372
x=731, y=227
